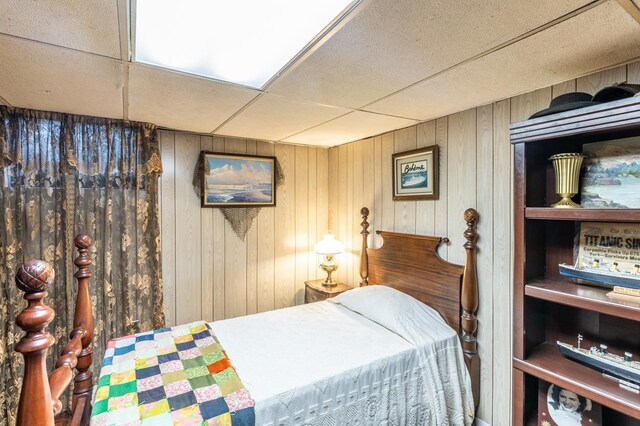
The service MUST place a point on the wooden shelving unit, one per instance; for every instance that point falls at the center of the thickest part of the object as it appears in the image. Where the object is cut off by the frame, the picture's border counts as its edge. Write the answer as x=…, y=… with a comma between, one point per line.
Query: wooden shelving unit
x=550, y=307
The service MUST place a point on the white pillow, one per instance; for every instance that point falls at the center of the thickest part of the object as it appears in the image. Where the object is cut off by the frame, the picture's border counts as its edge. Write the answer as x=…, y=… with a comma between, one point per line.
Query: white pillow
x=395, y=311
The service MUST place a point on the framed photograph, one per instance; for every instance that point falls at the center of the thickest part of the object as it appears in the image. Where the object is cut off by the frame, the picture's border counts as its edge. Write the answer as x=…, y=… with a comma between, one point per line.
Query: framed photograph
x=415, y=174
x=611, y=176
x=561, y=407
x=235, y=180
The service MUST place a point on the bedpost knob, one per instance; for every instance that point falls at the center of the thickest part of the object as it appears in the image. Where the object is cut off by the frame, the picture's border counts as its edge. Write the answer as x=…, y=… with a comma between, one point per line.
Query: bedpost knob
x=82, y=241
x=471, y=215
x=364, y=211
x=35, y=276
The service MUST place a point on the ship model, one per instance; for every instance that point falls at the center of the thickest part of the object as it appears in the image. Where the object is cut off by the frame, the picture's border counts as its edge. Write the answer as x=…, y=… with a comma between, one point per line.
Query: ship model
x=601, y=275
x=622, y=368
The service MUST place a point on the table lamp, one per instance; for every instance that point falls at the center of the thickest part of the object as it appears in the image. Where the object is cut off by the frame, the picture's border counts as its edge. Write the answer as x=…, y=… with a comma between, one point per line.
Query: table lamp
x=329, y=247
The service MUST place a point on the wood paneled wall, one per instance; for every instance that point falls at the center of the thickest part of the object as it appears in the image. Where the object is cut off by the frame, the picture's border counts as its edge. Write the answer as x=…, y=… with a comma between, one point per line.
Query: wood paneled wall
x=208, y=272
x=476, y=164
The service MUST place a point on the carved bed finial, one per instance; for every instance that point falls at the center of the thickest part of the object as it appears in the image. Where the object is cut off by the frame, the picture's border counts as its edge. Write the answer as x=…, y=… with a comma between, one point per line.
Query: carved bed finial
x=469, y=299
x=364, y=257
x=35, y=276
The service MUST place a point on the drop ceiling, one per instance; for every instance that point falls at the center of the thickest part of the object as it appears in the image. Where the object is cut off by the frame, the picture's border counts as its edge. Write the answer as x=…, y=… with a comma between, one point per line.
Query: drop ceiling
x=388, y=65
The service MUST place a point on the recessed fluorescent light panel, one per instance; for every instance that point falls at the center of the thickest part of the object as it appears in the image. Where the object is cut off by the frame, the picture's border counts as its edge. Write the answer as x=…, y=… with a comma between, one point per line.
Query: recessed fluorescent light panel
x=240, y=41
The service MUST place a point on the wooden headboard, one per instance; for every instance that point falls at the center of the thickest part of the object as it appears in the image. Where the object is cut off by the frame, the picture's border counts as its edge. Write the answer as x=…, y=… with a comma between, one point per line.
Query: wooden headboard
x=411, y=263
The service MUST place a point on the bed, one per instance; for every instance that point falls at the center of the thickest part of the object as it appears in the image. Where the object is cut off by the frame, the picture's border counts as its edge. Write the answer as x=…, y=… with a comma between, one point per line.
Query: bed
x=401, y=349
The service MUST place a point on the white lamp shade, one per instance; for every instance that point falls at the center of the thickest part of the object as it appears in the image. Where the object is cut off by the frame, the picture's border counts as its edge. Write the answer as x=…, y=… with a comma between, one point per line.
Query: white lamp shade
x=329, y=245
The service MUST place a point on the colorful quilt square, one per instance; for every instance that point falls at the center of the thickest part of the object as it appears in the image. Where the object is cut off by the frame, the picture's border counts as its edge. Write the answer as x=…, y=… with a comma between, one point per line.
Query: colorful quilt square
x=149, y=383
x=177, y=388
x=145, y=353
x=144, y=337
x=189, y=353
x=230, y=386
x=211, y=349
x=100, y=407
x=238, y=400
x=157, y=420
x=207, y=341
x=246, y=416
x=183, y=400
x=202, y=381
x=201, y=335
x=121, y=350
x=211, y=409
x=170, y=366
x=124, y=357
x=163, y=335
x=168, y=357
x=152, y=395
x=197, y=372
x=196, y=327
x=104, y=380
x=107, y=361
x=153, y=409
x=188, y=416
x=145, y=344
x=219, y=366
x=146, y=362
x=192, y=363
x=212, y=357
x=122, y=389
x=106, y=370
x=180, y=330
x=102, y=393
x=174, y=376
x=124, y=377
x=207, y=393
x=186, y=345
x=221, y=420
x=125, y=341
x=147, y=372
x=119, y=402
x=183, y=339
x=126, y=365
x=167, y=349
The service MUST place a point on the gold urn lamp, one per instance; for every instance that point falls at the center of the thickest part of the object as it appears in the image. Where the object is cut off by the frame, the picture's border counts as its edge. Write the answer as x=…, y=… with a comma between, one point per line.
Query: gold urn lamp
x=329, y=247
x=567, y=168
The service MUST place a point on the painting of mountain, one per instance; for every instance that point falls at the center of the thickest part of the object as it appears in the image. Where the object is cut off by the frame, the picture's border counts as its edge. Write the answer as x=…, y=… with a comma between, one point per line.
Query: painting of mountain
x=611, y=174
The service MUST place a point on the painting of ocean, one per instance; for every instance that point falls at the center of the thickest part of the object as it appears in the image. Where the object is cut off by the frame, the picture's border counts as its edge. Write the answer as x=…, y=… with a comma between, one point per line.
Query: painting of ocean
x=237, y=181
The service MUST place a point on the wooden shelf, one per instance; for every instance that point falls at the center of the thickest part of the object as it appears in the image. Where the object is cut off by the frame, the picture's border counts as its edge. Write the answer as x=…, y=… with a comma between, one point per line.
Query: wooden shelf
x=547, y=363
x=583, y=215
x=581, y=296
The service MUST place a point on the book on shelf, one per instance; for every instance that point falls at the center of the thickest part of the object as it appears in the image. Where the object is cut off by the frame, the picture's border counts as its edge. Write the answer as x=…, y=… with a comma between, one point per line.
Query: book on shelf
x=624, y=297
x=626, y=290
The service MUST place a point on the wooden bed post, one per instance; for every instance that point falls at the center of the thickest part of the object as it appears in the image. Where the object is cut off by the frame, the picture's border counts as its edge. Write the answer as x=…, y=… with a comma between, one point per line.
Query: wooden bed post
x=35, y=406
x=364, y=257
x=469, y=302
x=83, y=320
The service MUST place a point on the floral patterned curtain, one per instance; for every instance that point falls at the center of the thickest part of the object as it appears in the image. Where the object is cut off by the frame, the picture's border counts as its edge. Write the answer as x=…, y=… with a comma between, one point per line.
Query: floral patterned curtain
x=61, y=175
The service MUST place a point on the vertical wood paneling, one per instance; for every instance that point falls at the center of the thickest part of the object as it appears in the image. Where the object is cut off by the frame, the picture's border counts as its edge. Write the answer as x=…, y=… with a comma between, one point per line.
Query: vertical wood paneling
x=425, y=210
x=312, y=209
x=301, y=221
x=168, y=228
x=341, y=232
x=461, y=174
x=502, y=264
x=285, y=238
x=633, y=73
x=266, y=250
x=387, y=214
x=188, y=260
x=219, y=254
x=235, y=261
x=441, y=219
x=562, y=88
x=347, y=261
x=324, y=202
x=405, y=211
x=206, y=252
x=252, y=252
x=594, y=82
x=375, y=218
x=358, y=202
x=484, y=191
x=369, y=190
x=333, y=197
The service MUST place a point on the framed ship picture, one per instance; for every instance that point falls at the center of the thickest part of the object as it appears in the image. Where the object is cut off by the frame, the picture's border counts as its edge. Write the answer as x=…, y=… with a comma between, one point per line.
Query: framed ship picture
x=415, y=174
x=561, y=407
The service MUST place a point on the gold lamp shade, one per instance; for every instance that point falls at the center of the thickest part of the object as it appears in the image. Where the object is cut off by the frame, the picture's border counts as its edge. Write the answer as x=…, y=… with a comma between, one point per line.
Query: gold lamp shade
x=567, y=168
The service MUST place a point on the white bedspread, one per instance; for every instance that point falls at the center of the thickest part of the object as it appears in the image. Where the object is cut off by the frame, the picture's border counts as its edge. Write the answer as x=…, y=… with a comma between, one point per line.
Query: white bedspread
x=323, y=364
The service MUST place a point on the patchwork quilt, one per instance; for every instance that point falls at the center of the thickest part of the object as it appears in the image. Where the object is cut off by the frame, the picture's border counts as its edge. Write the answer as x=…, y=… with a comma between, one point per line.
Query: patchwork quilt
x=179, y=375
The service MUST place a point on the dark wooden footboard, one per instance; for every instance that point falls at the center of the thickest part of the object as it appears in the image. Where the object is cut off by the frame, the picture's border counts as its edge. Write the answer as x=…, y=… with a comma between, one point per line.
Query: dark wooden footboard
x=40, y=394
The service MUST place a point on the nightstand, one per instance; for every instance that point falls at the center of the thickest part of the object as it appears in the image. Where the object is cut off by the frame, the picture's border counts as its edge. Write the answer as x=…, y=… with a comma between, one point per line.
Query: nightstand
x=314, y=291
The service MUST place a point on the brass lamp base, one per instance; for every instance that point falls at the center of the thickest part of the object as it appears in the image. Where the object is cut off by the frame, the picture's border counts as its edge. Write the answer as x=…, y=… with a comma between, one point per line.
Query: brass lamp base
x=329, y=266
x=566, y=202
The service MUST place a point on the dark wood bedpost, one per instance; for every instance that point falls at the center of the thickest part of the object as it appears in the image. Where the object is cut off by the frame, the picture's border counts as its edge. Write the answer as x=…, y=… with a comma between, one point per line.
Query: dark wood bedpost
x=364, y=257
x=83, y=320
x=469, y=302
x=35, y=406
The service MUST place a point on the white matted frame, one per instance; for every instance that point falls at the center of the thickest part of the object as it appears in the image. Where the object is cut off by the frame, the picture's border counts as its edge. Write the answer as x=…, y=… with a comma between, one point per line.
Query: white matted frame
x=415, y=174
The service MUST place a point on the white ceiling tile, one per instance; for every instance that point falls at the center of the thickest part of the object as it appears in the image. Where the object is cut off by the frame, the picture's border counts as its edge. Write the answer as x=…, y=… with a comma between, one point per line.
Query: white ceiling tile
x=180, y=101
x=273, y=117
x=572, y=48
x=87, y=25
x=389, y=45
x=45, y=77
x=351, y=127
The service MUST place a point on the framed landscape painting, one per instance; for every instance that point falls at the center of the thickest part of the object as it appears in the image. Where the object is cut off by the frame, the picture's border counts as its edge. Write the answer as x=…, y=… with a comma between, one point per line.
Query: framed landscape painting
x=415, y=174
x=234, y=180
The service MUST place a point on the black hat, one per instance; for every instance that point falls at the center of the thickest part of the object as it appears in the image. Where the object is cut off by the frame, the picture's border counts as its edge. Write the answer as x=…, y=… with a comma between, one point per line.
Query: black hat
x=567, y=102
x=617, y=92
